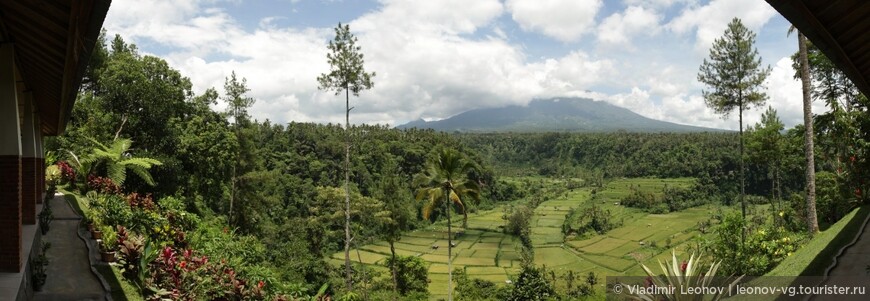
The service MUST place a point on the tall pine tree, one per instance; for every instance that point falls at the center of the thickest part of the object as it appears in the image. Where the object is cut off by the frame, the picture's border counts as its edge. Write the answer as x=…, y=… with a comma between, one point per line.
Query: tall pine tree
x=734, y=76
x=346, y=74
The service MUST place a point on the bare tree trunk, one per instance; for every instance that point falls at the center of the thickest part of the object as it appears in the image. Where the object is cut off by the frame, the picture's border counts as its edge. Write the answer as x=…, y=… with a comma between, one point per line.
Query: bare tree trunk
x=121, y=127
x=449, y=250
x=365, y=278
x=395, y=273
x=232, y=193
x=810, y=196
x=348, y=280
x=742, y=174
x=742, y=167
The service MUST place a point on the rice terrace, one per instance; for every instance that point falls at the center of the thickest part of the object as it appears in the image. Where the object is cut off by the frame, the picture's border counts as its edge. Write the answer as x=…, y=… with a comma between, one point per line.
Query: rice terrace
x=485, y=252
x=486, y=150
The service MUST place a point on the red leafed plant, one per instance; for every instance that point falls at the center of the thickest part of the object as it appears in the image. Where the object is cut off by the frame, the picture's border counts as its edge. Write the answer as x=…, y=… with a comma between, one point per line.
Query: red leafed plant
x=136, y=200
x=67, y=172
x=103, y=185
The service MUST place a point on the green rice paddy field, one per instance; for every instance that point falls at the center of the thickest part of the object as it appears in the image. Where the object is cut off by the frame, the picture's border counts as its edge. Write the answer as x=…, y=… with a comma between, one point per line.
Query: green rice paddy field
x=486, y=253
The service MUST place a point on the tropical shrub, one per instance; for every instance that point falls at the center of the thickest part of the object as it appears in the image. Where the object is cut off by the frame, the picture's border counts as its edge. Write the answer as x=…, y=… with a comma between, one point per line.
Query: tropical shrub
x=765, y=245
x=531, y=284
x=518, y=223
x=643, y=200
x=102, y=185
x=131, y=251
x=688, y=274
x=832, y=203
x=413, y=274
x=588, y=221
x=112, y=209
x=68, y=174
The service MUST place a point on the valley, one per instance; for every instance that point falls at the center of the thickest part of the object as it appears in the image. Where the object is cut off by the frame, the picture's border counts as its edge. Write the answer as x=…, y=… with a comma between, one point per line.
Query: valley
x=487, y=253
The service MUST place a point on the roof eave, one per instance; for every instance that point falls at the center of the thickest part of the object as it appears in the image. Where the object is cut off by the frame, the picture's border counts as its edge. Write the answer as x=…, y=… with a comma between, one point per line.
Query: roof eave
x=805, y=20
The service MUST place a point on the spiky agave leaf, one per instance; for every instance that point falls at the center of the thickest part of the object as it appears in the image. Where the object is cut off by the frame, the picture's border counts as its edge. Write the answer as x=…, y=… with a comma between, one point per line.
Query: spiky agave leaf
x=675, y=276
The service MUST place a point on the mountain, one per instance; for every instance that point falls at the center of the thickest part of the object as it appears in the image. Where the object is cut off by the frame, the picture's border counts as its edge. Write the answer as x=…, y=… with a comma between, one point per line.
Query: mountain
x=553, y=115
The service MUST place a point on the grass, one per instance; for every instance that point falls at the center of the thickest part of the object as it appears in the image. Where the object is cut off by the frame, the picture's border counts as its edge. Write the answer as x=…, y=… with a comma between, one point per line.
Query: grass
x=121, y=289
x=815, y=256
x=489, y=254
x=79, y=203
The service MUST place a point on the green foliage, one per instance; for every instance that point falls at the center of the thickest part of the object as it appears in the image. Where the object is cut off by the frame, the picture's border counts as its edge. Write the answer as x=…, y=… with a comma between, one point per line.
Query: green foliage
x=52, y=174
x=589, y=221
x=644, y=200
x=765, y=245
x=143, y=94
x=38, y=267
x=346, y=65
x=115, y=158
x=45, y=218
x=607, y=155
x=446, y=177
x=133, y=256
x=733, y=71
x=518, y=223
x=532, y=284
x=237, y=102
x=110, y=237
x=446, y=180
x=735, y=77
x=413, y=275
x=477, y=289
x=832, y=203
x=671, y=199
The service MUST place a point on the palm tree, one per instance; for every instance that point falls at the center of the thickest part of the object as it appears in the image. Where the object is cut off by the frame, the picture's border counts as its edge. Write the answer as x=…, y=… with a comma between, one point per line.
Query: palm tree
x=446, y=179
x=812, y=219
x=117, y=160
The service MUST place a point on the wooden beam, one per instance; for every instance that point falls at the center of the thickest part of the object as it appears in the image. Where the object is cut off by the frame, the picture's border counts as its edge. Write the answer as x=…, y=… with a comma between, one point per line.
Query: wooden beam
x=834, y=49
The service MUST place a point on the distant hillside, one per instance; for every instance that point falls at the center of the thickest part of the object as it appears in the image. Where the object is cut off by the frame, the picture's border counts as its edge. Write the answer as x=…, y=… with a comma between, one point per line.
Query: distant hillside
x=554, y=115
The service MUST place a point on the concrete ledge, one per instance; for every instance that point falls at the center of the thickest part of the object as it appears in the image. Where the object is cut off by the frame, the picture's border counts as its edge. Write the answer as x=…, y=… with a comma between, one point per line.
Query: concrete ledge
x=93, y=252
x=18, y=286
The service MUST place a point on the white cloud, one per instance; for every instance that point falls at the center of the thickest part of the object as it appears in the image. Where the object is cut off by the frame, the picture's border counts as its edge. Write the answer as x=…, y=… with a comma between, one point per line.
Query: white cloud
x=565, y=20
x=619, y=28
x=654, y=3
x=448, y=16
x=785, y=95
x=426, y=64
x=436, y=59
x=710, y=21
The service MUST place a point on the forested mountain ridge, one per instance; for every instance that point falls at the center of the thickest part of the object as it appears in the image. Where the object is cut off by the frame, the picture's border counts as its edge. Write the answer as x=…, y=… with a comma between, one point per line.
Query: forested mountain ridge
x=554, y=115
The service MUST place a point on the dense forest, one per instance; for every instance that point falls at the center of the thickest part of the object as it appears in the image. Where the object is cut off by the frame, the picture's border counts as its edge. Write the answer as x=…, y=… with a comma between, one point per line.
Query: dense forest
x=270, y=188
x=264, y=200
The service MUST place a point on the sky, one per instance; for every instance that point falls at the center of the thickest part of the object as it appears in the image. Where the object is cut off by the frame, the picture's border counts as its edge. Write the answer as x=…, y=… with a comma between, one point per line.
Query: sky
x=436, y=58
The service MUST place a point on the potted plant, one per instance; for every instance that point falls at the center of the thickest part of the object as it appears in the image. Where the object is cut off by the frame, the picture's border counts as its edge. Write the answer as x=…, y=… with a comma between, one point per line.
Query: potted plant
x=38, y=267
x=52, y=177
x=110, y=242
x=88, y=221
x=45, y=218
x=96, y=233
x=94, y=225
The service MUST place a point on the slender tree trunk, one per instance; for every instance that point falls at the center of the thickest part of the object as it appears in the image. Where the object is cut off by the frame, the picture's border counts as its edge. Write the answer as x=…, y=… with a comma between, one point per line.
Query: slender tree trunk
x=364, y=277
x=449, y=250
x=742, y=174
x=232, y=194
x=810, y=196
x=742, y=167
x=395, y=273
x=347, y=271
